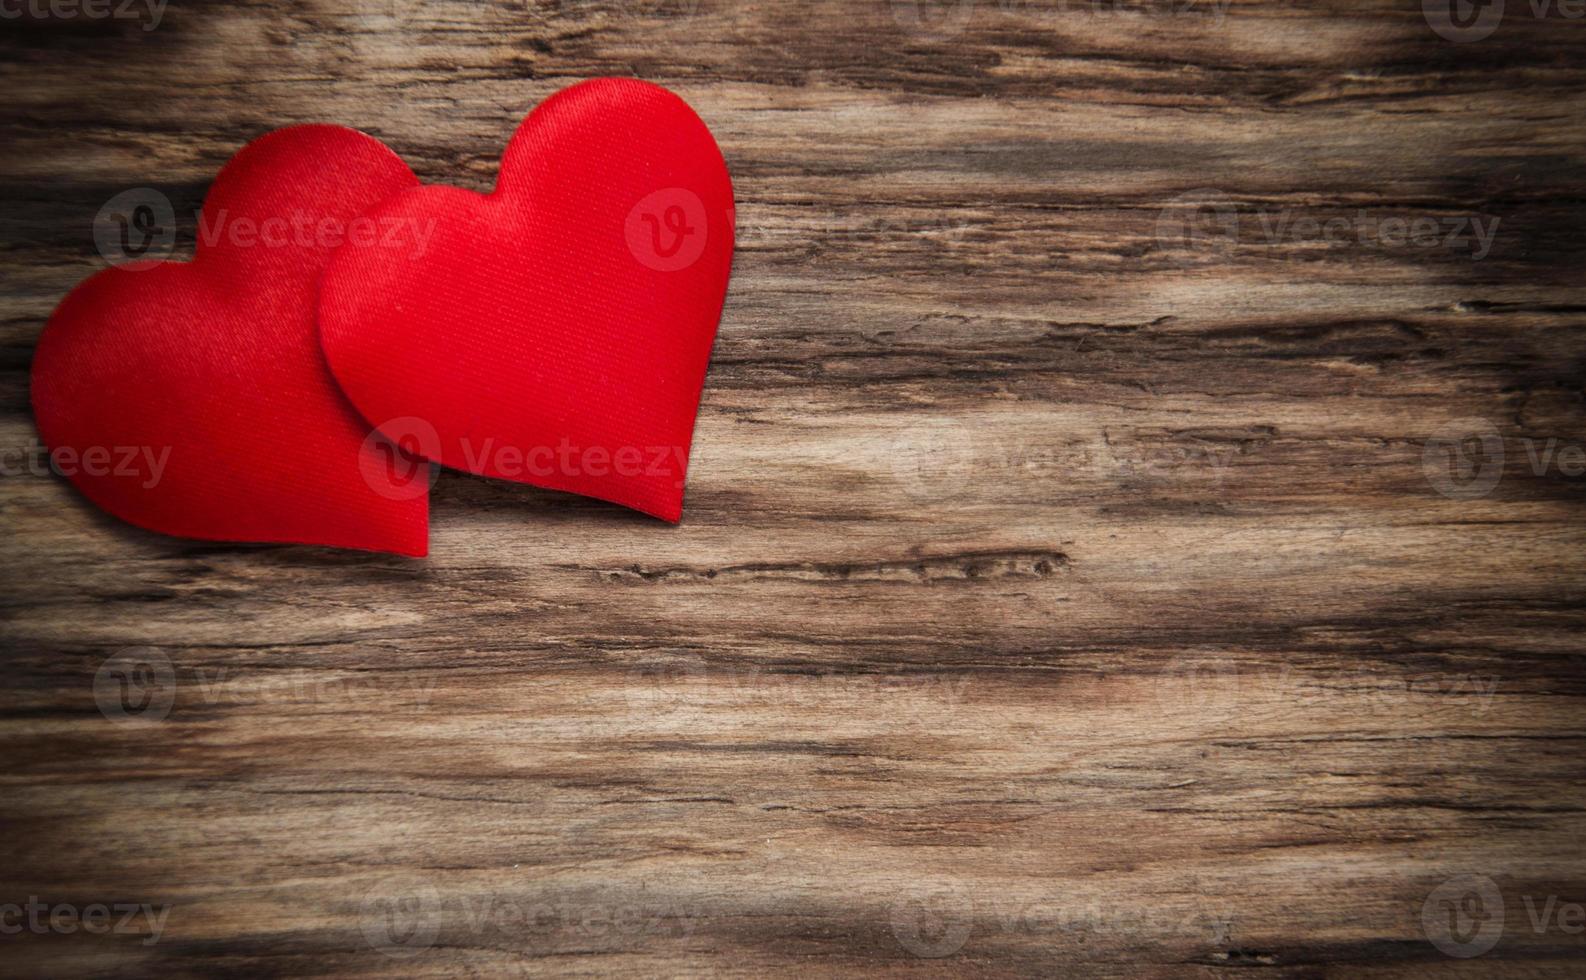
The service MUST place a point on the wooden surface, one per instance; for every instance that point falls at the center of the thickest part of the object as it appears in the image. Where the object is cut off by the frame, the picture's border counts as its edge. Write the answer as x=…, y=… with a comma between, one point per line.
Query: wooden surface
x=1063, y=588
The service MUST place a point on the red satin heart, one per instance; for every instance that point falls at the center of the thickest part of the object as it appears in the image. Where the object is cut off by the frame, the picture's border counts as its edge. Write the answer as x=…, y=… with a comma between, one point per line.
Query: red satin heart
x=557, y=330
x=214, y=366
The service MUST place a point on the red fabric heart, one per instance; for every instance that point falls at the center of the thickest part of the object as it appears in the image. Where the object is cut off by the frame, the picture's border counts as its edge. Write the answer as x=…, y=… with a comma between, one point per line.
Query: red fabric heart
x=214, y=367
x=557, y=330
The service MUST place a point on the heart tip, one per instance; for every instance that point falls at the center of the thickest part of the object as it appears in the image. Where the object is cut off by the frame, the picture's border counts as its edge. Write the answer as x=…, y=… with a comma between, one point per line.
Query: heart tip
x=415, y=549
x=404, y=545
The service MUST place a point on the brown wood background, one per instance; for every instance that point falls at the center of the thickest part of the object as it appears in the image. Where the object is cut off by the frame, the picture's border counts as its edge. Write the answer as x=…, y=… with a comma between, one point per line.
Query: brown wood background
x=1057, y=592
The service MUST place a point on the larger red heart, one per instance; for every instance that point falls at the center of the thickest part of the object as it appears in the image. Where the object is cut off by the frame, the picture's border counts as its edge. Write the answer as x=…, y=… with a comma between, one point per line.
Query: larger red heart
x=557, y=331
x=193, y=398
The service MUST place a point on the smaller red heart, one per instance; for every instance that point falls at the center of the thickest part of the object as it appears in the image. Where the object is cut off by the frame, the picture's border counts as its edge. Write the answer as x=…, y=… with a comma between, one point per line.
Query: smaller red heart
x=193, y=398
x=556, y=331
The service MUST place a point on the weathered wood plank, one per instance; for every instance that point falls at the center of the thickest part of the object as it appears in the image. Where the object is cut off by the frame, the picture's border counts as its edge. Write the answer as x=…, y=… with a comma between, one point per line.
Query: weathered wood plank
x=1073, y=579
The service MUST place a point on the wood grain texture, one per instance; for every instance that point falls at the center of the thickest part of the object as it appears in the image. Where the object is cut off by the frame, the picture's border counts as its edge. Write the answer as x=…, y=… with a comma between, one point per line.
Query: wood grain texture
x=1067, y=584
